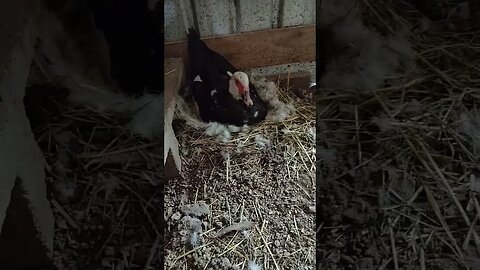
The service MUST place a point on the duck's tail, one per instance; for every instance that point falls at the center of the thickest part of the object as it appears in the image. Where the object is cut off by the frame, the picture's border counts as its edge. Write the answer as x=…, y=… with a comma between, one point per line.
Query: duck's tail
x=196, y=46
x=197, y=51
x=193, y=34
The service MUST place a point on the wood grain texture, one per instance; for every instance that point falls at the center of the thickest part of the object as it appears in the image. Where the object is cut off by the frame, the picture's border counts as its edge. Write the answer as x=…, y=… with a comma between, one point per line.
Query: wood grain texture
x=294, y=81
x=173, y=81
x=258, y=49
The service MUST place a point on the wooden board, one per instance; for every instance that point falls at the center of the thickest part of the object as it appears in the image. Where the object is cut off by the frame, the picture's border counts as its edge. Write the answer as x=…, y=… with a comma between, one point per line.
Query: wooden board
x=26, y=219
x=170, y=171
x=173, y=81
x=295, y=81
x=258, y=49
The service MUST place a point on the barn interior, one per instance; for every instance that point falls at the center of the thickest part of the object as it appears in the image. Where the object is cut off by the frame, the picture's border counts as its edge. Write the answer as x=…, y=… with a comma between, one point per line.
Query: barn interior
x=398, y=137
x=243, y=197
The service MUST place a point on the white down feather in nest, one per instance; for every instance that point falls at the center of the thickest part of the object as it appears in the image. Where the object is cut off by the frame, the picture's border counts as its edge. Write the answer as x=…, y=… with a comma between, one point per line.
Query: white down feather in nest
x=368, y=59
x=221, y=132
x=267, y=90
x=470, y=125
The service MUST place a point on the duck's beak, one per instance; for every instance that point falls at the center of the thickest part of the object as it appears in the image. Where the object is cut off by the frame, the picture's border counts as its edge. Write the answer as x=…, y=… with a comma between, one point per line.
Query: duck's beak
x=246, y=98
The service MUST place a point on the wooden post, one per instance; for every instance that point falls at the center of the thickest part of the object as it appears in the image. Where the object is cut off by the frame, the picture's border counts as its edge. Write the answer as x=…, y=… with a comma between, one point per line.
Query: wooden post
x=22, y=177
x=174, y=74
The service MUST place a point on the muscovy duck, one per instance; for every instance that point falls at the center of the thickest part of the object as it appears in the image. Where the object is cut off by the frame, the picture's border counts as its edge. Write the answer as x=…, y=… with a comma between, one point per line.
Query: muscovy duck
x=222, y=93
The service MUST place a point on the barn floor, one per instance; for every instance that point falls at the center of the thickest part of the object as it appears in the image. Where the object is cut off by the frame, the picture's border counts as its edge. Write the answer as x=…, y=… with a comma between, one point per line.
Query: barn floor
x=398, y=167
x=248, y=201
x=100, y=177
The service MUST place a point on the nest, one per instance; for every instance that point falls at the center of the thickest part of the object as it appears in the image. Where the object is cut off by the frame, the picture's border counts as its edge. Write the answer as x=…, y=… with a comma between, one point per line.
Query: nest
x=259, y=189
x=398, y=167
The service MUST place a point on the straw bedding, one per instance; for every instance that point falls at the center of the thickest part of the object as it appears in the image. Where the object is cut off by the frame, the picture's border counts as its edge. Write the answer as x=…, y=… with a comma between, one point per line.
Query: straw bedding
x=257, y=185
x=246, y=197
x=101, y=177
x=398, y=163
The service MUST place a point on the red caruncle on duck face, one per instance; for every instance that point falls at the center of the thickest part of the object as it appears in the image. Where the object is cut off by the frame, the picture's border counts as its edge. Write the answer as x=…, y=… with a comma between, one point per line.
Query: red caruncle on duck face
x=241, y=85
x=241, y=88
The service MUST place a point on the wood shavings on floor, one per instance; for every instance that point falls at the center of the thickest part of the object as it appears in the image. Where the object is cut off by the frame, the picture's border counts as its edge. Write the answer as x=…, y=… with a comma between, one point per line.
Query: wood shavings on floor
x=259, y=187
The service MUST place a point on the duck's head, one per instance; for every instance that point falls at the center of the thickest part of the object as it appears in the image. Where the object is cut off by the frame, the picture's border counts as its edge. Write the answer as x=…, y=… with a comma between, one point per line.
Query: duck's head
x=239, y=87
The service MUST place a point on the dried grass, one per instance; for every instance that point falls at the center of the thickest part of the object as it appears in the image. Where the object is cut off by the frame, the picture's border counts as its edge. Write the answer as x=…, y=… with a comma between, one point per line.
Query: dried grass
x=107, y=210
x=395, y=166
x=245, y=180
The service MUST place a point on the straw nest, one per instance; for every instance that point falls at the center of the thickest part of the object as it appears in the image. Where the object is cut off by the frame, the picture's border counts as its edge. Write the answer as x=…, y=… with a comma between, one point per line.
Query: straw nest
x=253, y=191
x=107, y=211
x=398, y=165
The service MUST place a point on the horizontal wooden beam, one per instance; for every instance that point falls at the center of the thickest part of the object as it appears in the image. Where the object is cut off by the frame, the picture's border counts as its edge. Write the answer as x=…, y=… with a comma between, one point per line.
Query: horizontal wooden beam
x=294, y=81
x=258, y=49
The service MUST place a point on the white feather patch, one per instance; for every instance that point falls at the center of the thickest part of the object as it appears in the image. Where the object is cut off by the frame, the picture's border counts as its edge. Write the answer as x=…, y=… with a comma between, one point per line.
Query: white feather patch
x=213, y=92
x=197, y=79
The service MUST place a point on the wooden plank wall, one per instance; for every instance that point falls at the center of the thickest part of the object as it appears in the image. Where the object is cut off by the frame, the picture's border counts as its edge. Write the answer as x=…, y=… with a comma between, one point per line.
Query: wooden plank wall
x=270, y=47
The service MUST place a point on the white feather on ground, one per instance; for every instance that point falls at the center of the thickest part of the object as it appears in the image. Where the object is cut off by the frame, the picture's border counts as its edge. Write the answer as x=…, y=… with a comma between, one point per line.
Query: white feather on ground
x=368, y=59
x=268, y=91
x=383, y=122
x=191, y=229
x=64, y=188
x=148, y=119
x=262, y=142
x=197, y=209
x=470, y=125
x=225, y=155
x=254, y=266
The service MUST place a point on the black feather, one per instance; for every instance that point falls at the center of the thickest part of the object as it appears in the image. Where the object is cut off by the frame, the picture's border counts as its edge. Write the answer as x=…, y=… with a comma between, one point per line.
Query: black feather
x=211, y=94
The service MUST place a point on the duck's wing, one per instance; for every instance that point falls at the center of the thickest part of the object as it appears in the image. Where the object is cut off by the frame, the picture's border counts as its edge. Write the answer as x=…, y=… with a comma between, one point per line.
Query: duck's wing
x=215, y=78
x=210, y=87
